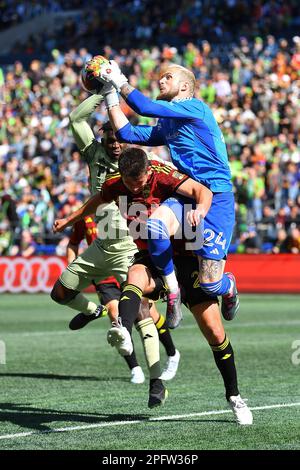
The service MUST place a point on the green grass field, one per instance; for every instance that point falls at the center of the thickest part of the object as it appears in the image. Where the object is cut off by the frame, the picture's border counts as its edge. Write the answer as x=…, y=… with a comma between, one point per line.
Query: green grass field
x=55, y=379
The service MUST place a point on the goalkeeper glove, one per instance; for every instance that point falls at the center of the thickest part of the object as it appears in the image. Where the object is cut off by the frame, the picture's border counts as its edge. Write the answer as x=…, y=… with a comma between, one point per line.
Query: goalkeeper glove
x=111, y=73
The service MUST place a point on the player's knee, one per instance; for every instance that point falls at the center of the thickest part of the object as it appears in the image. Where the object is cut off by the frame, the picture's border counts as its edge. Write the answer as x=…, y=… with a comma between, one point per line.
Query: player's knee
x=157, y=230
x=61, y=295
x=137, y=276
x=215, y=334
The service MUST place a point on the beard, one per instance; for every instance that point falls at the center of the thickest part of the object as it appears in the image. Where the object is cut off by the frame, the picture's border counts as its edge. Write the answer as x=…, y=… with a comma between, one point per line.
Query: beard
x=168, y=96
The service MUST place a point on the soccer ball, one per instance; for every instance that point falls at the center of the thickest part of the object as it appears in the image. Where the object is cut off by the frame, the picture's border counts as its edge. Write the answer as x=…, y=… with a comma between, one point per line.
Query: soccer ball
x=89, y=73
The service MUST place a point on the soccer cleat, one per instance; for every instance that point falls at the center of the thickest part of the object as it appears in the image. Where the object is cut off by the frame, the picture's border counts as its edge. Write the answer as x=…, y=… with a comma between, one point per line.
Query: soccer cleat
x=240, y=410
x=118, y=336
x=170, y=370
x=230, y=302
x=137, y=375
x=174, y=313
x=82, y=319
x=157, y=393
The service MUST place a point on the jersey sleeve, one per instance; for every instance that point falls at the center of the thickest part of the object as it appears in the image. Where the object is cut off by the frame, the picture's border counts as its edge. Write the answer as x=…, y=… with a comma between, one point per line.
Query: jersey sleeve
x=173, y=180
x=77, y=233
x=111, y=187
x=152, y=135
x=80, y=127
x=184, y=109
x=169, y=179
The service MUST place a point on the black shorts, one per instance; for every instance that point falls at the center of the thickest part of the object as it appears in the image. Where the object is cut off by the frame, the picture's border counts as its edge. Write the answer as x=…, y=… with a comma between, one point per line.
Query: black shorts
x=108, y=292
x=143, y=257
x=187, y=270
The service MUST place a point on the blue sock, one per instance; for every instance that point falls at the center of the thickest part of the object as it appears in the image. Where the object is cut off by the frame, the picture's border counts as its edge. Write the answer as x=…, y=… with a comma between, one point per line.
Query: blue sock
x=220, y=287
x=159, y=246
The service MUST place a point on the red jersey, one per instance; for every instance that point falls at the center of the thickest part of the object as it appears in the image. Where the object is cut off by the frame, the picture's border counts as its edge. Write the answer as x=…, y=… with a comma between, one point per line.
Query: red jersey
x=85, y=228
x=162, y=182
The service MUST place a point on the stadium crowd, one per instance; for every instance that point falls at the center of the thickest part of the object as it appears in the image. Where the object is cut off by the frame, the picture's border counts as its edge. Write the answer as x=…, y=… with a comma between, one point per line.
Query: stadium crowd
x=252, y=84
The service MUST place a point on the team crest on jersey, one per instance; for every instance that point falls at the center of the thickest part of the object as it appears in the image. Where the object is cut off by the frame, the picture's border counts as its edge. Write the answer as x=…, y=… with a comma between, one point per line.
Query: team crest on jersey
x=177, y=175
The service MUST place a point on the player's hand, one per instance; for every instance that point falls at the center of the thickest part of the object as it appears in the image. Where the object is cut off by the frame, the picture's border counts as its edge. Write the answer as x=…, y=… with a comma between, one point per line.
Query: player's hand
x=111, y=73
x=59, y=225
x=194, y=217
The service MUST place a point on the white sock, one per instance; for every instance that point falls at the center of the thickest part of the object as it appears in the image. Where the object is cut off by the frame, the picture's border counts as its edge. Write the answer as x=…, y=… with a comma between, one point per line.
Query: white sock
x=82, y=304
x=170, y=281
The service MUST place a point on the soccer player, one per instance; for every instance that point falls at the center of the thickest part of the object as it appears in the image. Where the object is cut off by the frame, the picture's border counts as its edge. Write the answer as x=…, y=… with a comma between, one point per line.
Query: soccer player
x=109, y=294
x=197, y=148
x=144, y=276
x=139, y=188
x=107, y=289
x=111, y=252
x=147, y=185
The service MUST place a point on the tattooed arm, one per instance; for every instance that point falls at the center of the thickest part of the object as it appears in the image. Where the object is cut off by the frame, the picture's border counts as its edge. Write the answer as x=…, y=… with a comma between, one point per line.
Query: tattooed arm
x=126, y=90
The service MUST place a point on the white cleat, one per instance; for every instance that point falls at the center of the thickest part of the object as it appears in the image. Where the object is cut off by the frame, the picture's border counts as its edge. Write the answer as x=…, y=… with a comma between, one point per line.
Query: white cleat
x=170, y=370
x=118, y=336
x=240, y=410
x=137, y=375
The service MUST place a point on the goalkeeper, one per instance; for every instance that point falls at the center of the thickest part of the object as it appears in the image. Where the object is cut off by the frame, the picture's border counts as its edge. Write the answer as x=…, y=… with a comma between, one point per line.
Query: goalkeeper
x=187, y=126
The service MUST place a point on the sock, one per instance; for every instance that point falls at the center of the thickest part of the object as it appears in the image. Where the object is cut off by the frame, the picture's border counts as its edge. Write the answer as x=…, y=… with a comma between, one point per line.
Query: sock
x=131, y=360
x=129, y=305
x=165, y=336
x=161, y=252
x=82, y=304
x=224, y=358
x=170, y=280
x=220, y=287
x=149, y=336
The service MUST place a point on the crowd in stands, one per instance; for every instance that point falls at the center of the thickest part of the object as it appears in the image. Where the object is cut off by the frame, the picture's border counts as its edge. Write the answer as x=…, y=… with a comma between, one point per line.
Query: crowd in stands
x=173, y=22
x=252, y=85
x=13, y=12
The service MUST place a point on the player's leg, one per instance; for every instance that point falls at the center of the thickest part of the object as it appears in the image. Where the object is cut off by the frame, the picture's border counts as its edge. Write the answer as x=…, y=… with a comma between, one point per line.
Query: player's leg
x=218, y=227
x=149, y=336
x=166, y=340
x=163, y=224
x=66, y=291
x=139, y=281
x=143, y=276
x=206, y=313
x=109, y=294
x=75, y=278
x=134, y=309
x=208, y=317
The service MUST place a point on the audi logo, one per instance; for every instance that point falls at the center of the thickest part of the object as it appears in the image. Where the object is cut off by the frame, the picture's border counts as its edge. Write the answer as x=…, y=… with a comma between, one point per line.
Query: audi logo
x=36, y=274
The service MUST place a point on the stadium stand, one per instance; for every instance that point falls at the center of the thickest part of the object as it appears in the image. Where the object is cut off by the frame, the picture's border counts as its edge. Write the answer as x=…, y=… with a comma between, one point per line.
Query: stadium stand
x=249, y=75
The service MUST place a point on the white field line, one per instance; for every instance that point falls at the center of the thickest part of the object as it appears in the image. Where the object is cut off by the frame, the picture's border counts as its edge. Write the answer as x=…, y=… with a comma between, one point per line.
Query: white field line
x=139, y=421
x=183, y=327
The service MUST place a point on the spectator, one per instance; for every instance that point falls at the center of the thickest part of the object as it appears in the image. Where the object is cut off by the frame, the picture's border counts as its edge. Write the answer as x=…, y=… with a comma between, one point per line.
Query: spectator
x=250, y=78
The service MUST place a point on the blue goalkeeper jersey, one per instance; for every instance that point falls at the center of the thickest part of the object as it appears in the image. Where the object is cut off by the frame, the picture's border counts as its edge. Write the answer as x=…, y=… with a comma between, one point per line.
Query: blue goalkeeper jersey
x=190, y=131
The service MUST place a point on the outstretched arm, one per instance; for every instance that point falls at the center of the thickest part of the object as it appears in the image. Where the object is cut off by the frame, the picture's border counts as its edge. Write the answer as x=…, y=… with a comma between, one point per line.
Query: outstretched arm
x=144, y=106
x=88, y=208
x=80, y=128
x=125, y=132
